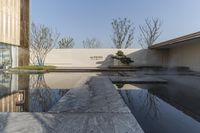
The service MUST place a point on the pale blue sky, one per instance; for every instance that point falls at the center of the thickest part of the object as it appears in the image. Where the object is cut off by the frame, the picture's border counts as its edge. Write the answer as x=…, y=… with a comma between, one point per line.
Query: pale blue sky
x=92, y=18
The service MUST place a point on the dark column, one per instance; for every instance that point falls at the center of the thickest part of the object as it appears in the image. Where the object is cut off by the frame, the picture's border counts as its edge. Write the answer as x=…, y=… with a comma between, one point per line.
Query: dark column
x=24, y=33
x=23, y=86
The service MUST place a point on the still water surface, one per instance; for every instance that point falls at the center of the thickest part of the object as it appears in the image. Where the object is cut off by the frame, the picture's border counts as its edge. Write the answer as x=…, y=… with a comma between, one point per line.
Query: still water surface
x=35, y=92
x=170, y=108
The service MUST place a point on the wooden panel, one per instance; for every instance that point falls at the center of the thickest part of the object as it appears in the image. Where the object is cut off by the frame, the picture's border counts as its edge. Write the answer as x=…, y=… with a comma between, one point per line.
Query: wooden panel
x=10, y=21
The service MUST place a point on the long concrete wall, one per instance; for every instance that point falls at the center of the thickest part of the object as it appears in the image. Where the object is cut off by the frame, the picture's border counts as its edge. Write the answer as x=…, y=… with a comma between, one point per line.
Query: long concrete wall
x=182, y=55
x=100, y=57
x=186, y=55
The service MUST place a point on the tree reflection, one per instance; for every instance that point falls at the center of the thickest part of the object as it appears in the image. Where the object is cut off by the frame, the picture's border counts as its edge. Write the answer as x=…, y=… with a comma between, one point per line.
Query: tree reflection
x=145, y=98
x=125, y=95
x=5, y=80
x=41, y=96
x=27, y=92
x=150, y=103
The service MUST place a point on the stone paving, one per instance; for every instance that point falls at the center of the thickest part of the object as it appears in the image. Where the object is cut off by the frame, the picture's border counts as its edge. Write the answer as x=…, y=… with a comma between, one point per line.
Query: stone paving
x=95, y=107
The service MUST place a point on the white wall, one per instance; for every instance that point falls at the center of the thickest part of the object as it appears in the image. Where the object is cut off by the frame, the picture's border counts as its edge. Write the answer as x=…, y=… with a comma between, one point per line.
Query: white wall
x=186, y=55
x=100, y=57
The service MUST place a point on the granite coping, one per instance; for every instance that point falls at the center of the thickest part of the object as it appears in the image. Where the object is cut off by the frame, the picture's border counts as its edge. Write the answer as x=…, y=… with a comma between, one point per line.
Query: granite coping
x=98, y=96
x=68, y=123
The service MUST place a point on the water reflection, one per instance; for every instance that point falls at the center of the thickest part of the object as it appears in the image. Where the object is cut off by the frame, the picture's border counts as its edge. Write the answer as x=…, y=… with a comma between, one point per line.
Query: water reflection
x=155, y=115
x=27, y=93
x=150, y=103
x=41, y=95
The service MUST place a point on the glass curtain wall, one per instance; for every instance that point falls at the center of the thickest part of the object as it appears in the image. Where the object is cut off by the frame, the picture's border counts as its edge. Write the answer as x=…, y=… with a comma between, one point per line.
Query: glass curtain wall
x=5, y=56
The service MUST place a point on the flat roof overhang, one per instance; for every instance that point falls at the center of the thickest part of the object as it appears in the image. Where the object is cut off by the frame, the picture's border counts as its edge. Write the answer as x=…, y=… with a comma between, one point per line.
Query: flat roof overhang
x=184, y=40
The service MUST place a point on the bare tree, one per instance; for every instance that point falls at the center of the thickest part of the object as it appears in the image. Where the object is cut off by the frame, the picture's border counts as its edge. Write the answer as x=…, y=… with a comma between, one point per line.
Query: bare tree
x=150, y=32
x=42, y=41
x=66, y=42
x=123, y=33
x=92, y=43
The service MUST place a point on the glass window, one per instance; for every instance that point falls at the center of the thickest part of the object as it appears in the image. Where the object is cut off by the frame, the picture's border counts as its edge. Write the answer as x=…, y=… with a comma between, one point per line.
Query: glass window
x=5, y=55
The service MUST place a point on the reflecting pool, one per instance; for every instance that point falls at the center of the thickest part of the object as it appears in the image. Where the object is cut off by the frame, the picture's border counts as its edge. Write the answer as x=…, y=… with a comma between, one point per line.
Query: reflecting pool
x=35, y=92
x=169, y=108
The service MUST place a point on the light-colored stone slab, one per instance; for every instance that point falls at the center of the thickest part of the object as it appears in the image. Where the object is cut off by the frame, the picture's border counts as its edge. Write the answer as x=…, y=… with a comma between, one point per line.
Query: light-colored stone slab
x=75, y=100
x=105, y=94
x=99, y=123
x=99, y=96
x=68, y=123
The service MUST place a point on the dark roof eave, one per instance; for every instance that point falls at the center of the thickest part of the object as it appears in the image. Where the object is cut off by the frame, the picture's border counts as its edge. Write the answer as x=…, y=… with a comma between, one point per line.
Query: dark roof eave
x=176, y=40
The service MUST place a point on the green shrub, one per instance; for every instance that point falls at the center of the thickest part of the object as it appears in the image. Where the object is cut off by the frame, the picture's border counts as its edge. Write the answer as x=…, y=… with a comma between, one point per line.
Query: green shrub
x=123, y=58
x=120, y=53
x=36, y=67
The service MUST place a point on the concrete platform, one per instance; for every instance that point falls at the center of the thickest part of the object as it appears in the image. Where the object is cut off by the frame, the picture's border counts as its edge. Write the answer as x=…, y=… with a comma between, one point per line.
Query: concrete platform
x=96, y=107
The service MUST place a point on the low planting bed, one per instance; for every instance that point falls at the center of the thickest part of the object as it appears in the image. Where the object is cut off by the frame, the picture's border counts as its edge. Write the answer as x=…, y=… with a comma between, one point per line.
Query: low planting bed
x=35, y=67
x=32, y=69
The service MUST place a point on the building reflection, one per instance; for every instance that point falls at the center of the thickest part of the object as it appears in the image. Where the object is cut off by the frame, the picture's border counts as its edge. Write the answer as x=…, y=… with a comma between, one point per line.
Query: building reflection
x=27, y=93
x=14, y=102
x=13, y=96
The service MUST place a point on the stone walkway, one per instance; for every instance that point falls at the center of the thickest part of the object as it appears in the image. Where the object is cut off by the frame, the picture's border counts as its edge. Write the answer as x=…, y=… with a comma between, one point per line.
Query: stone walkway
x=96, y=107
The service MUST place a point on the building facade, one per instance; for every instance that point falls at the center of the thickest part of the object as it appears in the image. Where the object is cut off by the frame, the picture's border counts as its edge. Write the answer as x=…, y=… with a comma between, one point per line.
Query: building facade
x=14, y=33
x=182, y=51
